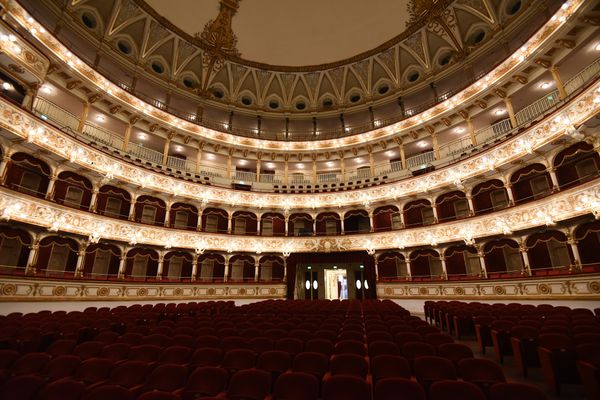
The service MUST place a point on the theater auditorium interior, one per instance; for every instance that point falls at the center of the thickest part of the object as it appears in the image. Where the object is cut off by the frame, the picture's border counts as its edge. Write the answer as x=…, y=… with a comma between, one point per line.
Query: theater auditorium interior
x=299, y=200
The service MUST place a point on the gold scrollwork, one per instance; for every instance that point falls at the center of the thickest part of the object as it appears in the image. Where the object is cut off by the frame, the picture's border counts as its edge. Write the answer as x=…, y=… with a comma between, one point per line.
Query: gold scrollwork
x=459, y=291
x=178, y=292
x=594, y=287
x=103, y=291
x=141, y=292
x=423, y=291
x=544, y=289
x=59, y=291
x=9, y=289
x=499, y=290
x=211, y=291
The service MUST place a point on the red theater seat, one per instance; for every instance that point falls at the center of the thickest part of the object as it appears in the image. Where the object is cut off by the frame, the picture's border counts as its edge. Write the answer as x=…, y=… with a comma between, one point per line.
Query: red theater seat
x=455, y=390
x=398, y=389
x=516, y=391
x=345, y=387
x=296, y=386
x=64, y=389
x=205, y=382
x=249, y=384
x=316, y=364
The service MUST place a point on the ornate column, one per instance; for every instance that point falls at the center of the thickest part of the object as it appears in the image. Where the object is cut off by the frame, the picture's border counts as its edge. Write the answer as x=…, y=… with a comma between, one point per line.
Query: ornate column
x=481, y=256
x=167, y=214
x=407, y=262
x=226, y=271
x=285, y=171
x=132, y=209
x=256, y=269
x=167, y=146
x=122, y=264
x=50, y=189
x=509, y=106
x=30, y=95
x=434, y=141
x=435, y=213
x=229, y=221
x=258, y=224
x=84, y=116
x=258, y=170
x=80, y=258
x=526, y=267
x=471, y=206
x=127, y=135
x=229, y=167
x=444, y=270
x=401, y=212
x=402, y=156
x=509, y=193
x=287, y=220
x=562, y=93
x=371, y=226
x=576, y=256
x=314, y=170
x=342, y=227
x=94, y=199
x=199, y=160
x=553, y=178
x=315, y=226
x=3, y=165
x=376, y=259
x=284, y=268
x=194, y=266
x=371, y=161
x=34, y=248
x=161, y=264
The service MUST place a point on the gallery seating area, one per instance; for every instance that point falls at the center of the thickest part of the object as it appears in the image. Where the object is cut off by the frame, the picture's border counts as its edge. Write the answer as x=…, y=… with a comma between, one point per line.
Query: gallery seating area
x=292, y=350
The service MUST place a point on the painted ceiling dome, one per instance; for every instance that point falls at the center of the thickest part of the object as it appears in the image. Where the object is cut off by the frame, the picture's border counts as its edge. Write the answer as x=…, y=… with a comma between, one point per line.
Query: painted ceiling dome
x=313, y=56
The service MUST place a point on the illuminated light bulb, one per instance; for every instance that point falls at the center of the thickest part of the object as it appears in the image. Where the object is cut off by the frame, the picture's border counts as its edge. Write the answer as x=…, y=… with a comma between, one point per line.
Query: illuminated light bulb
x=12, y=38
x=6, y=86
x=17, y=49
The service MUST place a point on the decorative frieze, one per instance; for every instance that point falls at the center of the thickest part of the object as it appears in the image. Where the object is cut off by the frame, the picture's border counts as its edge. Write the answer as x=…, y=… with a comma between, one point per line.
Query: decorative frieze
x=26, y=126
x=562, y=205
x=39, y=289
x=580, y=287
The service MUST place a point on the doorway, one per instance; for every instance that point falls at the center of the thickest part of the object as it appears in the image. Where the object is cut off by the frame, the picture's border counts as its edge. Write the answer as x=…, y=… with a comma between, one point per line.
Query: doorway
x=336, y=284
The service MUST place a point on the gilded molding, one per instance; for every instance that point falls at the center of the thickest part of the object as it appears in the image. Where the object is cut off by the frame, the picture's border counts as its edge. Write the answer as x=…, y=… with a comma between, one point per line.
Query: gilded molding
x=40, y=289
x=575, y=113
x=505, y=69
x=27, y=56
x=580, y=287
x=562, y=205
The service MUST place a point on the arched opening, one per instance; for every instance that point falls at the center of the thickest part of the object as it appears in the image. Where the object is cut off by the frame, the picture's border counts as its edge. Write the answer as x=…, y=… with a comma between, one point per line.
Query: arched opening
x=272, y=224
x=73, y=190
x=244, y=223
x=549, y=253
x=183, y=216
x=211, y=267
x=328, y=224
x=425, y=264
x=576, y=164
x=418, y=213
x=489, y=196
x=271, y=269
x=530, y=183
x=392, y=267
x=462, y=262
x=357, y=221
x=177, y=266
x=57, y=256
x=101, y=261
x=141, y=264
x=27, y=174
x=587, y=236
x=452, y=206
x=300, y=224
x=214, y=220
x=387, y=218
x=113, y=202
x=241, y=268
x=150, y=210
x=503, y=258
x=14, y=250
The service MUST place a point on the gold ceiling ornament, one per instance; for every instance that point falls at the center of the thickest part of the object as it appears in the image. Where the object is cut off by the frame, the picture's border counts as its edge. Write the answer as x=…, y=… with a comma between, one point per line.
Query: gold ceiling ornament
x=437, y=16
x=219, y=38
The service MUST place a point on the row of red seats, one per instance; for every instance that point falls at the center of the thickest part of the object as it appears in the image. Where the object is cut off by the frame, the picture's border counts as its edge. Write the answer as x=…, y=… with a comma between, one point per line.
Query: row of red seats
x=564, y=342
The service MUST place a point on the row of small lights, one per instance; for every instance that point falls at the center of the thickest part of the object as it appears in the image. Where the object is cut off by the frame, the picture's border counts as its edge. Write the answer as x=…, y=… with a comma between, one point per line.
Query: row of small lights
x=520, y=55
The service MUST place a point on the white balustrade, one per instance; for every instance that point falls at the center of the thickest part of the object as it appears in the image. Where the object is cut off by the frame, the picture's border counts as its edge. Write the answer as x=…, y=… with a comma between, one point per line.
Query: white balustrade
x=144, y=153
x=537, y=108
x=420, y=160
x=49, y=111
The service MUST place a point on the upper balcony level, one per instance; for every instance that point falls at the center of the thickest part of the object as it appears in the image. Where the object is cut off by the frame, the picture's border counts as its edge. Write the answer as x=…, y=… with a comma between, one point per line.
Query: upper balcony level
x=408, y=75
